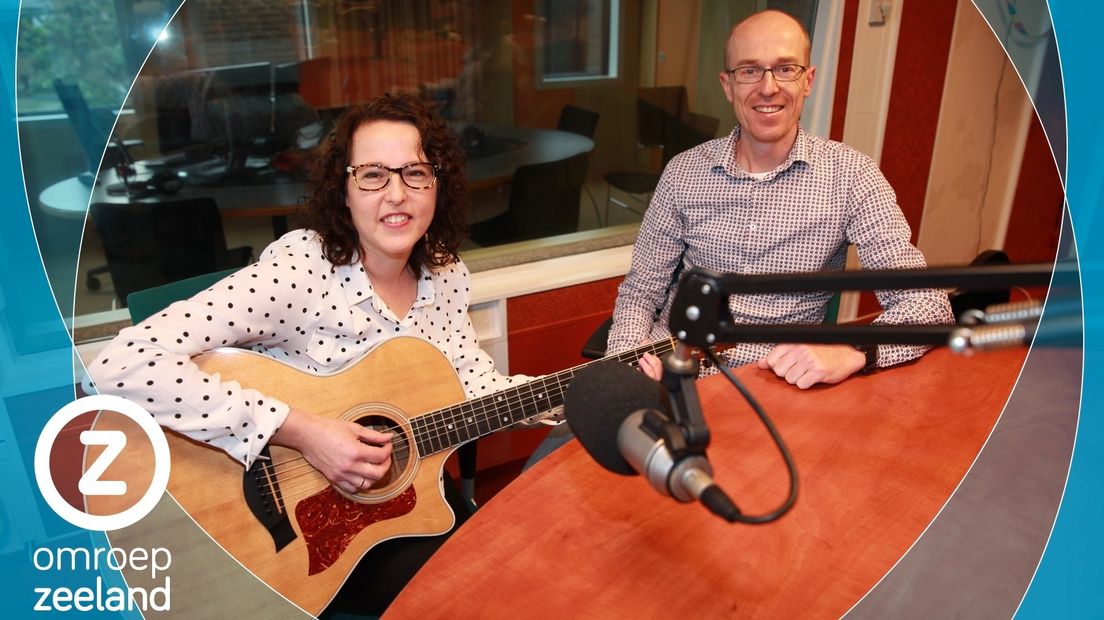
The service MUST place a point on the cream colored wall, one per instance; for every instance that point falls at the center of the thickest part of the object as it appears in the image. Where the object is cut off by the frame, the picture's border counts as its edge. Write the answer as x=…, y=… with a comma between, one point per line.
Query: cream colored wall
x=868, y=102
x=649, y=22
x=983, y=123
x=676, y=56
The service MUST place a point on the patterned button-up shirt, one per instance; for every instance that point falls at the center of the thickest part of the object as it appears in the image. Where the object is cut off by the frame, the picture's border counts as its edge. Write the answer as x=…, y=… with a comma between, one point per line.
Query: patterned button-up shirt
x=708, y=212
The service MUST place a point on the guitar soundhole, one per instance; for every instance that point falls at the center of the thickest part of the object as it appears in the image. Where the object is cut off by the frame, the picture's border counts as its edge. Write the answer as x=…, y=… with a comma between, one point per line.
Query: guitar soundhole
x=398, y=474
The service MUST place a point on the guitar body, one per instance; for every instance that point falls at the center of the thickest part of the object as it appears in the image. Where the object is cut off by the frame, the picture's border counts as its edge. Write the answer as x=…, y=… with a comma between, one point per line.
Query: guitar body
x=330, y=530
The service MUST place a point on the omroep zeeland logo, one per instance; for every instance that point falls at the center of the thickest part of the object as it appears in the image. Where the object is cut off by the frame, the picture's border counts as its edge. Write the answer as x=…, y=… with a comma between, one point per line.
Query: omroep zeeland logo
x=92, y=482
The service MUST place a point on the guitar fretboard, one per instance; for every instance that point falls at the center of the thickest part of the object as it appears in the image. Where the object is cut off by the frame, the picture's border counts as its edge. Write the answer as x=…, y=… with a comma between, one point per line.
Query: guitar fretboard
x=471, y=419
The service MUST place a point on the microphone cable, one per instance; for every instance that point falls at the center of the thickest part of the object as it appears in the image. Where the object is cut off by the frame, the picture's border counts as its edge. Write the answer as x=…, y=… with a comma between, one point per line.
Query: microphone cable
x=738, y=516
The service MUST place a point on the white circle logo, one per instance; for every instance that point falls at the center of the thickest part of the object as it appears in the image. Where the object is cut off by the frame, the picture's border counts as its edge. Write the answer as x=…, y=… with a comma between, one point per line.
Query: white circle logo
x=90, y=483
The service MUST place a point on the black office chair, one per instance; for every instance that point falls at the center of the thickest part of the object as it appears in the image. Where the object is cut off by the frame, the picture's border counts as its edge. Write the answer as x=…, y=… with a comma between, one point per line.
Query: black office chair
x=149, y=244
x=544, y=201
x=656, y=110
x=578, y=121
x=967, y=299
x=584, y=123
x=92, y=128
x=663, y=122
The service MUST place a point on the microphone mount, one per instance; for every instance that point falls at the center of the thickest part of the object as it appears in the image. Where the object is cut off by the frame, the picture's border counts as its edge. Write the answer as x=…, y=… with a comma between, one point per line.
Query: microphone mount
x=687, y=435
x=700, y=315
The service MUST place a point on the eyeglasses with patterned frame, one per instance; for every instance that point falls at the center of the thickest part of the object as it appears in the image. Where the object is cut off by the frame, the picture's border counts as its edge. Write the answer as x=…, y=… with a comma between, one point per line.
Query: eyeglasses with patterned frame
x=374, y=177
x=752, y=74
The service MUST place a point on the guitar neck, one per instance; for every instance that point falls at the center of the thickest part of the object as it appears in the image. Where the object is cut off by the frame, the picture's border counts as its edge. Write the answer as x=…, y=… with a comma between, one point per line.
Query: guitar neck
x=449, y=427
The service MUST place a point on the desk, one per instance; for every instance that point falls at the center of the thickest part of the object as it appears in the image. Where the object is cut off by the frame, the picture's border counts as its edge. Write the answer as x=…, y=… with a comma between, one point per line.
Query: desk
x=877, y=455
x=277, y=199
x=280, y=196
x=538, y=146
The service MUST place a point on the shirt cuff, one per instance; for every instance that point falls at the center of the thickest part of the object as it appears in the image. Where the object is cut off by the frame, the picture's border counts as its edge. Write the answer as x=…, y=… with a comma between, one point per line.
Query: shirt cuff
x=270, y=416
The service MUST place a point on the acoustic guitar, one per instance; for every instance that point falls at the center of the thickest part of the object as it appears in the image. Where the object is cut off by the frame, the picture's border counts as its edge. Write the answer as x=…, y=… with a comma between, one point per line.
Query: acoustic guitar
x=281, y=519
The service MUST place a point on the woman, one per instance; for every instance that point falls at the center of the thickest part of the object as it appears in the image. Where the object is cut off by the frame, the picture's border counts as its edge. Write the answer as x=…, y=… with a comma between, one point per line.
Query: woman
x=377, y=259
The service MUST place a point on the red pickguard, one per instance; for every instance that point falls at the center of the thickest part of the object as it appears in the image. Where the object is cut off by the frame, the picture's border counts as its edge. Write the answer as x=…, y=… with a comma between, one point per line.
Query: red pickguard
x=329, y=522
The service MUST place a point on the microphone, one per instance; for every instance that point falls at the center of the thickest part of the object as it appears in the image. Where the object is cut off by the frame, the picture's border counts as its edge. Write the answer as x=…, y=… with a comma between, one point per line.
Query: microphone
x=1016, y=311
x=967, y=340
x=621, y=417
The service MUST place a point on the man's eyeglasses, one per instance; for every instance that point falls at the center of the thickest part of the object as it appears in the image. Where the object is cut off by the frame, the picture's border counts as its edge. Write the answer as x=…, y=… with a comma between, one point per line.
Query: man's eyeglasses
x=751, y=75
x=374, y=177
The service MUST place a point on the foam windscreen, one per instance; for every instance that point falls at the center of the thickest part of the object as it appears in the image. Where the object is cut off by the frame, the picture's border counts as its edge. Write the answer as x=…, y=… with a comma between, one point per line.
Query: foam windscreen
x=599, y=398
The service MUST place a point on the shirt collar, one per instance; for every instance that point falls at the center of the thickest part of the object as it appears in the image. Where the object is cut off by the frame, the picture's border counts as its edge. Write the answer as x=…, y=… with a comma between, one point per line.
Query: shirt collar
x=356, y=281
x=725, y=157
x=426, y=290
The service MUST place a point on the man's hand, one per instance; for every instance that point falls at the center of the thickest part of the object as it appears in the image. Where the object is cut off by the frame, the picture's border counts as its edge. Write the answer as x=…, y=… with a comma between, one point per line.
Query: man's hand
x=346, y=453
x=805, y=365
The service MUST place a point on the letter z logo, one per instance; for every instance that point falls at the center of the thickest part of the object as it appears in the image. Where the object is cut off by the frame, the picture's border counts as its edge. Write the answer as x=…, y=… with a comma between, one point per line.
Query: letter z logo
x=113, y=443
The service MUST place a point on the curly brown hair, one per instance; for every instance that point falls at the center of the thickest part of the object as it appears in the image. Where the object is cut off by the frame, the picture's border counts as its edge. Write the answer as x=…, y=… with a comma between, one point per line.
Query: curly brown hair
x=326, y=210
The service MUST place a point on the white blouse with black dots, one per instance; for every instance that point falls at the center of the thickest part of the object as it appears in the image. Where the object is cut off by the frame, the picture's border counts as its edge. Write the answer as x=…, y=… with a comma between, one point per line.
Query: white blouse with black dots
x=292, y=305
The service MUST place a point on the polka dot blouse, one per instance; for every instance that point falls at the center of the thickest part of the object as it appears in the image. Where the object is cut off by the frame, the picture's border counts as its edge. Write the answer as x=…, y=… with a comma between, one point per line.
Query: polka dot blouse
x=296, y=307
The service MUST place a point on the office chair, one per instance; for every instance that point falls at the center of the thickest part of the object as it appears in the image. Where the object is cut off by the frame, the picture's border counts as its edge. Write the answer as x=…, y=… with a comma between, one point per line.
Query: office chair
x=578, y=121
x=966, y=299
x=149, y=244
x=663, y=122
x=92, y=128
x=584, y=123
x=544, y=201
x=656, y=110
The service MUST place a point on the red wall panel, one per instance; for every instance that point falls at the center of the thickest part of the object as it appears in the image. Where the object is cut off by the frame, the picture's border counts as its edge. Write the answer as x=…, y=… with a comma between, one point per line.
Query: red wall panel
x=843, y=68
x=1033, y=227
x=547, y=330
x=923, y=46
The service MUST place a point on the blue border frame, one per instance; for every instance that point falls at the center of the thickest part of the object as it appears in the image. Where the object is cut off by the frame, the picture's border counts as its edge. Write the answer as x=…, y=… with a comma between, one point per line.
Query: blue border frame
x=36, y=354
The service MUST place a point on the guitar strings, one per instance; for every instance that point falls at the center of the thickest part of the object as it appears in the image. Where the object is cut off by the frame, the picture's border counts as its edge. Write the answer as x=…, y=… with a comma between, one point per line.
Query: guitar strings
x=516, y=396
x=443, y=425
x=304, y=483
x=289, y=476
x=440, y=428
x=305, y=487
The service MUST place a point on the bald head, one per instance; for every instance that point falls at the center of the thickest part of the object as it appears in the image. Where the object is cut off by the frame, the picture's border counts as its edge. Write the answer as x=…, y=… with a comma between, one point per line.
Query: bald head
x=769, y=24
x=767, y=103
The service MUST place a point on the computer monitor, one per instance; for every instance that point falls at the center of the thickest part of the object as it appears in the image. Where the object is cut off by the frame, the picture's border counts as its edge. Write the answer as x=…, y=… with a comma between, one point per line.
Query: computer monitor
x=92, y=128
x=237, y=106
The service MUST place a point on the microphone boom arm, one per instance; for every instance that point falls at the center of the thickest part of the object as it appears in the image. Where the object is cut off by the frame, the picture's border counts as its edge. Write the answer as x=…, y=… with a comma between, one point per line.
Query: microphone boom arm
x=700, y=316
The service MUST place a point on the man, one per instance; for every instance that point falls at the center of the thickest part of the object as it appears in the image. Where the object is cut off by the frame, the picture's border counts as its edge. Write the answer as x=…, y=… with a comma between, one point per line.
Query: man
x=771, y=198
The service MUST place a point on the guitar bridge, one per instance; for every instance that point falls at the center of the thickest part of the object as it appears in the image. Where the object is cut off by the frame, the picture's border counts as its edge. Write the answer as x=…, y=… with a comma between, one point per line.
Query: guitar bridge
x=265, y=500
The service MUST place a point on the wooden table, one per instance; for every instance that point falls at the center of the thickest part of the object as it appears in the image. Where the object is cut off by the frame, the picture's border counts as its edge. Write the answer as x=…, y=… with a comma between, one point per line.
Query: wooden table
x=878, y=456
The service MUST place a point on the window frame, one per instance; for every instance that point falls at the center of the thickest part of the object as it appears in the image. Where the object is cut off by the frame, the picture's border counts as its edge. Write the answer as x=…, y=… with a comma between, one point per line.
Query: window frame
x=613, y=51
